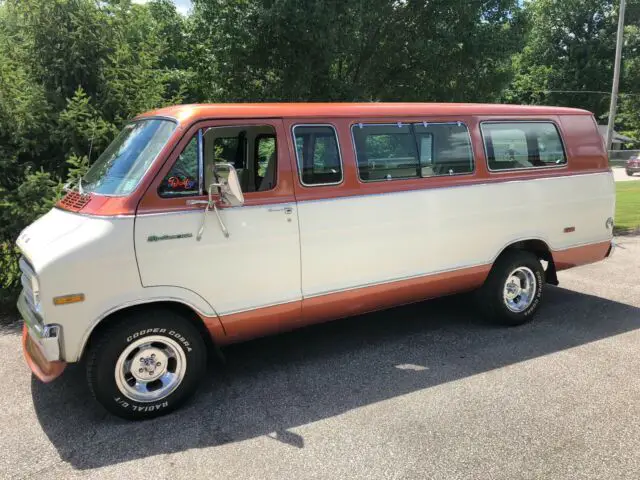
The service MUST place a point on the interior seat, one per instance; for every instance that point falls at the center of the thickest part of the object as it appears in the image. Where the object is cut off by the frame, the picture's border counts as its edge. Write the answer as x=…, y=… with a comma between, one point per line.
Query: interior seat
x=269, y=179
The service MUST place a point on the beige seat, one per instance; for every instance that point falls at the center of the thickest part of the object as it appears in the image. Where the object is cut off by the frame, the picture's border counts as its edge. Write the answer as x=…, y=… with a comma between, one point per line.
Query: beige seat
x=243, y=173
x=269, y=179
x=243, y=178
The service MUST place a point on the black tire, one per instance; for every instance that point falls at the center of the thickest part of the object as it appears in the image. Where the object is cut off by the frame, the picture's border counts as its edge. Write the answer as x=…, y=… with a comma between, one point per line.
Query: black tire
x=490, y=296
x=629, y=173
x=106, y=349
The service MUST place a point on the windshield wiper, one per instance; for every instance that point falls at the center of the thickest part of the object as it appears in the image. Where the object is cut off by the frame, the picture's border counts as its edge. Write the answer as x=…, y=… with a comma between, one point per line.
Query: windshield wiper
x=68, y=187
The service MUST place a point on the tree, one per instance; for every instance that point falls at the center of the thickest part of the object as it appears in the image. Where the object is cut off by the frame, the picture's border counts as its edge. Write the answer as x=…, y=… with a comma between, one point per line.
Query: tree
x=71, y=73
x=628, y=116
x=569, y=52
x=354, y=49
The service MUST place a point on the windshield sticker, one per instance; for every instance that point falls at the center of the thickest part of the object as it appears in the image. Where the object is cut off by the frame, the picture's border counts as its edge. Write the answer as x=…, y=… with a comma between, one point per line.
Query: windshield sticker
x=186, y=183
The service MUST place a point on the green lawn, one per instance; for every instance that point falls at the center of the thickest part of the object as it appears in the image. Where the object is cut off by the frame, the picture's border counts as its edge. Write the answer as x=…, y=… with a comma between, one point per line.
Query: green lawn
x=627, y=207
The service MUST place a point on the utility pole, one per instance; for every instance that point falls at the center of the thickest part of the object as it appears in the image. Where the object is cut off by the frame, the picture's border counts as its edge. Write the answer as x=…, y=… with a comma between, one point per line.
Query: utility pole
x=616, y=75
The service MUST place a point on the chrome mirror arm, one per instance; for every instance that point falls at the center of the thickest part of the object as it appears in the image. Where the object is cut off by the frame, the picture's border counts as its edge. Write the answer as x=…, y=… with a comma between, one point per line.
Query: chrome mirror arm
x=202, y=224
x=209, y=205
x=212, y=203
x=225, y=232
x=204, y=215
x=229, y=194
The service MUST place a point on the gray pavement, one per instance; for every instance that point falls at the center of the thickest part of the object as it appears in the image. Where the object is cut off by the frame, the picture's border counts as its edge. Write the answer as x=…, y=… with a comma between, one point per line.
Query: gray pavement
x=620, y=175
x=423, y=391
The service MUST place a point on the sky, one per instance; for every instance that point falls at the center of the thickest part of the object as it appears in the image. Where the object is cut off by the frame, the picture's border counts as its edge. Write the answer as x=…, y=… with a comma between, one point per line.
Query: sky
x=183, y=6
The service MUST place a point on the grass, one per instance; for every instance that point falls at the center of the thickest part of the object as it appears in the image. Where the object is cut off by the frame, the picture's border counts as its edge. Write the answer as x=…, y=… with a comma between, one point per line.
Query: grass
x=627, y=218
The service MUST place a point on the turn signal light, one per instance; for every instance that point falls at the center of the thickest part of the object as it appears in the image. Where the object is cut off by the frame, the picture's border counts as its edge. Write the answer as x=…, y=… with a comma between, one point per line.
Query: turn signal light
x=67, y=299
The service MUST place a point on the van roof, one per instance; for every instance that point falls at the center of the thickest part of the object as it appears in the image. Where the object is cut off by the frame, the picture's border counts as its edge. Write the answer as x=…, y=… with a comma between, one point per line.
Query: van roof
x=193, y=112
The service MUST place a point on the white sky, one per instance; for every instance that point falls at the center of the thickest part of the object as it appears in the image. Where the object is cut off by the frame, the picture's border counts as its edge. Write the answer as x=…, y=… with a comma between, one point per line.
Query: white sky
x=183, y=6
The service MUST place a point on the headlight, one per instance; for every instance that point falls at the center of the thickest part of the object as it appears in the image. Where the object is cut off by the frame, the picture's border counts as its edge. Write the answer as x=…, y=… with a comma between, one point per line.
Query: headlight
x=31, y=285
x=35, y=289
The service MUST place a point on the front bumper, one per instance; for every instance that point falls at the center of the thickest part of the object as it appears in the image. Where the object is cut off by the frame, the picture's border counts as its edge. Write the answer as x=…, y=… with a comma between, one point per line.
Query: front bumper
x=40, y=344
x=45, y=370
x=633, y=169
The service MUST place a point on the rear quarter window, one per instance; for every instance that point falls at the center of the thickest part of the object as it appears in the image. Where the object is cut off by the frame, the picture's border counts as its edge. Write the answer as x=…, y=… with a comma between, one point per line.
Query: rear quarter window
x=522, y=145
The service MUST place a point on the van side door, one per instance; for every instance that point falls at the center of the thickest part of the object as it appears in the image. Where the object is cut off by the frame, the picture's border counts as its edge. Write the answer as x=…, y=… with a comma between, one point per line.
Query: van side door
x=258, y=265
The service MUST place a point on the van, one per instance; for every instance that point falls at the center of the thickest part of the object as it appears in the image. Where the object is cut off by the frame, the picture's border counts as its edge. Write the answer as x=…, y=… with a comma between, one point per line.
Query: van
x=205, y=225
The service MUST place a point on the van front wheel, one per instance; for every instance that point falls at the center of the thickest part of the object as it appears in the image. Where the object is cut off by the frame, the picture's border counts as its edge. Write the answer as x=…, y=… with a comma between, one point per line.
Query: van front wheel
x=513, y=290
x=146, y=364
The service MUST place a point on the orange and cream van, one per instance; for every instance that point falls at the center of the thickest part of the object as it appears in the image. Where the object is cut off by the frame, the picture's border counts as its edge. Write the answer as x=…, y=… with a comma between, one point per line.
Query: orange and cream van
x=204, y=225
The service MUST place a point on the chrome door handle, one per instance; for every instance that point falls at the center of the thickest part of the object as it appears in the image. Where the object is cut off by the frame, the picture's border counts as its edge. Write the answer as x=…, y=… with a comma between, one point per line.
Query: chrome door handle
x=197, y=202
x=286, y=210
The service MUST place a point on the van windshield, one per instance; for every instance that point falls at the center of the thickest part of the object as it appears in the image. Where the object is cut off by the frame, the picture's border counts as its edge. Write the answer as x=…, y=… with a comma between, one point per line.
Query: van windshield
x=125, y=161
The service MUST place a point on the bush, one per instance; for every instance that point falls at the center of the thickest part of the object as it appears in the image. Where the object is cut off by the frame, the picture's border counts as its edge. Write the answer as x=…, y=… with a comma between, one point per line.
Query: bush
x=71, y=73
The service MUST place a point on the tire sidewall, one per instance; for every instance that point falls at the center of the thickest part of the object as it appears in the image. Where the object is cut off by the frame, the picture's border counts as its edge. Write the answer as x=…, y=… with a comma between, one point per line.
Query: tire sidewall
x=533, y=264
x=105, y=387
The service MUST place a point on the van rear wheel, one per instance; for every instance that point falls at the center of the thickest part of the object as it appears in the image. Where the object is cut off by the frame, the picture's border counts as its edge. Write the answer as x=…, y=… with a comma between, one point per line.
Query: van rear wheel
x=512, y=292
x=146, y=364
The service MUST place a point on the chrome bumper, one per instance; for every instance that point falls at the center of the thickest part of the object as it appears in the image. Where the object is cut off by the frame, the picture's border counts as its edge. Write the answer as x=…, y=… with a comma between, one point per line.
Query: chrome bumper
x=46, y=337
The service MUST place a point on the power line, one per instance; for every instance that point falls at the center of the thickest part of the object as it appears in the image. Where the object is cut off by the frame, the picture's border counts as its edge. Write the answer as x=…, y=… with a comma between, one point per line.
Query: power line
x=574, y=91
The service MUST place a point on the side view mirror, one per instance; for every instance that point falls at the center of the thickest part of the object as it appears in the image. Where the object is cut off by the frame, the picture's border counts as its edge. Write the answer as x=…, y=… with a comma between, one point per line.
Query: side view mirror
x=227, y=185
x=228, y=188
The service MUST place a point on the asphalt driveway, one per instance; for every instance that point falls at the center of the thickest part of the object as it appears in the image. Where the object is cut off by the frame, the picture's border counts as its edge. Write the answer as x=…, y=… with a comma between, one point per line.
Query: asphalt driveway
x=423, y=391
x=620, y=175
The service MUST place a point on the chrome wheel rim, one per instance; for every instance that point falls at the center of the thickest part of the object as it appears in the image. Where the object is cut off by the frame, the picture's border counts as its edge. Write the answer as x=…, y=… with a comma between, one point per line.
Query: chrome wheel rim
x=150, y=368
x=520, y=289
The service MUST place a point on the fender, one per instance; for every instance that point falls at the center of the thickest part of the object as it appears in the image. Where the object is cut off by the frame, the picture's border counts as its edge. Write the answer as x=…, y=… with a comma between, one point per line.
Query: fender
x=160, y=294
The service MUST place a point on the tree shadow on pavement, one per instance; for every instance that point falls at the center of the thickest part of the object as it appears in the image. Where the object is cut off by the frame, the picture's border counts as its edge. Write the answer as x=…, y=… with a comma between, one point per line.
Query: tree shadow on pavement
x=269, y=386
x=9, y=321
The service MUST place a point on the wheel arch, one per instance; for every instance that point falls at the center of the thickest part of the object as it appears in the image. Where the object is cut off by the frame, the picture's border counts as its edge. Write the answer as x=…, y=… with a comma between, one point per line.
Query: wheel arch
x=540, y=249
x=186, y=311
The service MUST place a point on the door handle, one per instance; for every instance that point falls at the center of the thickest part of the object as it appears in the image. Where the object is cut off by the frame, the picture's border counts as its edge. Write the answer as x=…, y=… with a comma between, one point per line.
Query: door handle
x=197, y=202
x=286, y=210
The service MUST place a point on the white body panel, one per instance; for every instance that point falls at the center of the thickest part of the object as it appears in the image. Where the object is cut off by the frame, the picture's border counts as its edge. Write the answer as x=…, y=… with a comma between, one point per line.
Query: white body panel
x=258, y=265
x=356, y=241
x=72, y=253
x=274, y=257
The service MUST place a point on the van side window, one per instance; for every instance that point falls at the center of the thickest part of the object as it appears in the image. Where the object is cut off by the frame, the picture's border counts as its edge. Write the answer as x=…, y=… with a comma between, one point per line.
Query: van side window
x=317, y=154
x=518, y=145
x=385, y=152
x=394, y=151
x=444, y=149
x=182, y=179
x=252, y=150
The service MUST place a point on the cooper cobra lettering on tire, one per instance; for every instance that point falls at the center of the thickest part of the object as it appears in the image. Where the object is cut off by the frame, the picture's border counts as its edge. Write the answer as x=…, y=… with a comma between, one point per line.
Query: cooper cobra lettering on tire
x=146, y=364
x=143, y=332
x=534, y=305
x=512, y=293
